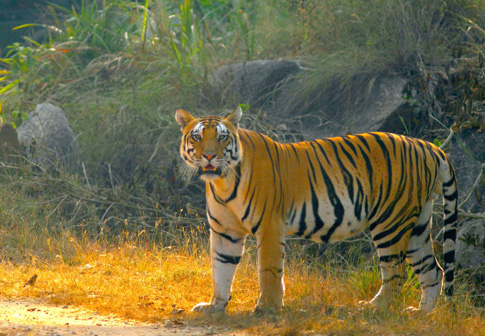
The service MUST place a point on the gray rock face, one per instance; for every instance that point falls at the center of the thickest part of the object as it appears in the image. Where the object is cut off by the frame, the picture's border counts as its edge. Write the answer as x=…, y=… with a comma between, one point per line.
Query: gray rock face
x=470, y=245
x=48, y=140
x=275, y=87
x=256, y=83
x=467, y=154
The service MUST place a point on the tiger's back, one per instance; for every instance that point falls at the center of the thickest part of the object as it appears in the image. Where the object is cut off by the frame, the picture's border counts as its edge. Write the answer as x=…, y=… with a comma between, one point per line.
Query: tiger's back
x=327, y=190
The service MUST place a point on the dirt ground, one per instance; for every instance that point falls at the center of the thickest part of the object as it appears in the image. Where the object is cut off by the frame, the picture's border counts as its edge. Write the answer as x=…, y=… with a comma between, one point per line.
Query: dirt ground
x=36, y=318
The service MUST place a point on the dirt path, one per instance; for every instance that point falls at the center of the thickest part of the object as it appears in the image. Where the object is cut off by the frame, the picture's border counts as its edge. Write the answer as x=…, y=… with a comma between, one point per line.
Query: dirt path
x=36, y=318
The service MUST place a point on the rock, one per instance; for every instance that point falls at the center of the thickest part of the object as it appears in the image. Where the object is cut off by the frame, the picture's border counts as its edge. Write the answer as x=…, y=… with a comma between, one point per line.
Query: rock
x=470, y=245
x=9, y=145
x=275, y=86
x=48, y=140
x=467, y=153
x=370, y=108
x=255, y=83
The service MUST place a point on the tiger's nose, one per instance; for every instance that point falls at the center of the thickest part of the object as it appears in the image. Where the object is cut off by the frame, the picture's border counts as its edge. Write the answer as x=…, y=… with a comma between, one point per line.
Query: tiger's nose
x=209, y=156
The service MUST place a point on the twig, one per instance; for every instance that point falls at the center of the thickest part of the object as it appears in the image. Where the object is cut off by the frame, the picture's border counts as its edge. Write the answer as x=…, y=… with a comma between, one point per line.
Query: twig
x=449, y=138
x=478, y=215
x=86, y=175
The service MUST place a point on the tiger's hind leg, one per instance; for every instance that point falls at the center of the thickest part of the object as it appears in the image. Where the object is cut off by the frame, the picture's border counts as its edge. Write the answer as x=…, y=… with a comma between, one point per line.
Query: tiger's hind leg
x=391, y=241
x=422, y=259
x=393, y=274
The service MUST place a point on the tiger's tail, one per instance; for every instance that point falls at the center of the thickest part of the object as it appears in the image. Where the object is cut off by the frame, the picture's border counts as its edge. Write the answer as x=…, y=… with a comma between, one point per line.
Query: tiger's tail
x=450, y=202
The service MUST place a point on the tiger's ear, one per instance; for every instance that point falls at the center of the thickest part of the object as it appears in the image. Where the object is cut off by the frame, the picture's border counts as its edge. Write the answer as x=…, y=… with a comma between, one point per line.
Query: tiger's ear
x=235, y=116
x=183, y=118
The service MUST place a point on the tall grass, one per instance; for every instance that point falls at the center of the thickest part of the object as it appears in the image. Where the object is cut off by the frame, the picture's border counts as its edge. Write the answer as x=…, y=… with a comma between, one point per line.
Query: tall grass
x=138, y=280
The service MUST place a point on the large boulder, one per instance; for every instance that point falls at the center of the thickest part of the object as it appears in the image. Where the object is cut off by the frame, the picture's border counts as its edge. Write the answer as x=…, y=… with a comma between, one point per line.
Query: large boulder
x=470, y=245
x=275, y=86
x=256, y=83
x=48, y=140
x=468, y=156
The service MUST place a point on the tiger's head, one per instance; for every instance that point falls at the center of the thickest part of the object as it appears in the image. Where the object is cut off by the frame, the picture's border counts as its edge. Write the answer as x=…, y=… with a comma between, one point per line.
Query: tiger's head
x=210, y=145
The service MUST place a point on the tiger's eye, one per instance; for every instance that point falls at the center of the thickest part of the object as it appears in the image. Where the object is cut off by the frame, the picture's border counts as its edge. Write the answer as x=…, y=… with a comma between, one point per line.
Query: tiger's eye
x=222, y=137
x=196, y=137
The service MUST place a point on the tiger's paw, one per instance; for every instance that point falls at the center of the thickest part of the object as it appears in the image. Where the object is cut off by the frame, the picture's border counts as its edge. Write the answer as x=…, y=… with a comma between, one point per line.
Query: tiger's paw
x=413, y=311
x=365, y=304
x=208, y=308
x=261, y=310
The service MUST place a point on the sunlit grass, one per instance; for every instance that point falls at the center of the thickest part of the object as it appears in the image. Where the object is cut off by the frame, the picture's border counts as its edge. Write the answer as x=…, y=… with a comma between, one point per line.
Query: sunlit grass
x=144, y=282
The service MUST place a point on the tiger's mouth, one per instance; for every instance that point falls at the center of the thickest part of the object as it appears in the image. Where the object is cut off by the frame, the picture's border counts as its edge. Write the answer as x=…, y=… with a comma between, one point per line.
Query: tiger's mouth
x=210, y=170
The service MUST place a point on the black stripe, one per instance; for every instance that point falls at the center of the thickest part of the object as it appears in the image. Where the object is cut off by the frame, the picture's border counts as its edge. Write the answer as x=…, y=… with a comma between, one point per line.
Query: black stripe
x=358, y=201
x=349, y=143
x=294, y=150
x=449, y=257
x=256, y=227
x=218, y=200
x=387, y=157
x=227, y=259
x=302, y=224
x=324, y=153
x=451, y=197
x=426, y=268
x=336, y=203
x=449, y=275
x=376, y=208
x=347, y=154
x=318, y=220
x=213, y=218
x=449, y=290
x=449, y=183
x=248, y=208
x=452, y=218
x=368, y=165
x=393, y=141
x=394, y=277
x=246, y=133
x=270, y=157
x=449, y=234
x=431, y=285
x=398, y=222
x=291, y=213
x=409, y=252
x=399, y=258
x=223, y=235
x=234, y=191
x=419, y=262
x=419, y=229
x=364, y=141
x=395, y=239
x=348, y=180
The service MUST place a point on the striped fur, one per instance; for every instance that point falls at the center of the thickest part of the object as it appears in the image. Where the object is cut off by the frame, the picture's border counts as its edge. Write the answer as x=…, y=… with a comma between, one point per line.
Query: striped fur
x=324, y=190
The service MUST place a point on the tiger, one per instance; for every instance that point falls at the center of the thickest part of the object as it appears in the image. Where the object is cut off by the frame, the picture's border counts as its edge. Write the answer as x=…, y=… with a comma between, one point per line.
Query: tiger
x=324, y=190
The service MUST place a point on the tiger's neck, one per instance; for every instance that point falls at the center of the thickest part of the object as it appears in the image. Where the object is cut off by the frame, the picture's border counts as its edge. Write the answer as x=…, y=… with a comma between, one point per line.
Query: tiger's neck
x=226, y=187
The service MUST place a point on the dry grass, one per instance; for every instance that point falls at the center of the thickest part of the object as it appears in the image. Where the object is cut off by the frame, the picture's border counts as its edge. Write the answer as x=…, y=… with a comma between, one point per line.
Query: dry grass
x=145, y=283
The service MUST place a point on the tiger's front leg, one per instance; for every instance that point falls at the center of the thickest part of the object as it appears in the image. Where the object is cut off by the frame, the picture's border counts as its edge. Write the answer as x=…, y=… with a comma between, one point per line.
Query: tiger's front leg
x=271, y=255
x=226, y=251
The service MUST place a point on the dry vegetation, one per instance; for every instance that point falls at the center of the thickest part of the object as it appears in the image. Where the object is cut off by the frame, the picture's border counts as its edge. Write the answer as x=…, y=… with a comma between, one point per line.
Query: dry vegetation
x=137, y=279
